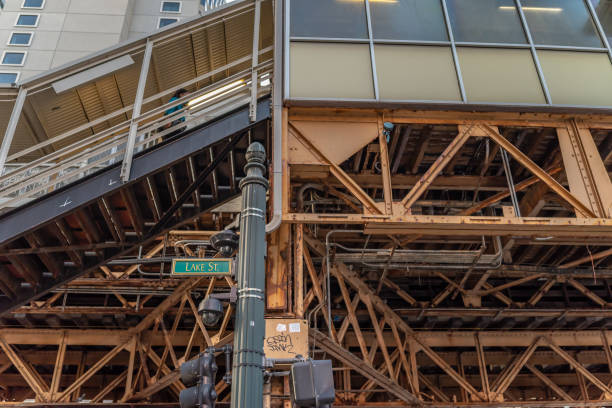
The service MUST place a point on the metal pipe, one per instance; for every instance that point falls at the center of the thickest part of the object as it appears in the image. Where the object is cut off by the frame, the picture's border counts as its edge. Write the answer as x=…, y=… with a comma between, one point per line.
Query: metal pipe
x=277, y=121
x=247, y=382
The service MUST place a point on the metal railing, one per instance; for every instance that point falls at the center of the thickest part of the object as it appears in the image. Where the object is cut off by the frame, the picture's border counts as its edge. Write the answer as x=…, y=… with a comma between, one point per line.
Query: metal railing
x=22, y=183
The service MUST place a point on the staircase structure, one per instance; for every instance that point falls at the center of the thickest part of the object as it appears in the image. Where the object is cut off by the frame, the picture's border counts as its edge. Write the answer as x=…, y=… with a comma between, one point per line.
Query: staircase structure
x=98, y=189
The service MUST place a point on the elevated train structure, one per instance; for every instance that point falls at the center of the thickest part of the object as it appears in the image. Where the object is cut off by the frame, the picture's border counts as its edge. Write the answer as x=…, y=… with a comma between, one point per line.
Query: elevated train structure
x=440, y=208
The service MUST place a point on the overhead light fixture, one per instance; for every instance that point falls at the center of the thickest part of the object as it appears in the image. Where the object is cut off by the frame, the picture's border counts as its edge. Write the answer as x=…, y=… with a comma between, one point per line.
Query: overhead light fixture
x=548, y=9
x=216, y=93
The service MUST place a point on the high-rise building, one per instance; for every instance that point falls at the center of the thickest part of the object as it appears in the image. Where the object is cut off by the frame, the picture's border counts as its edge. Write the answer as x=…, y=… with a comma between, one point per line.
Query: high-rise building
x=37, y=35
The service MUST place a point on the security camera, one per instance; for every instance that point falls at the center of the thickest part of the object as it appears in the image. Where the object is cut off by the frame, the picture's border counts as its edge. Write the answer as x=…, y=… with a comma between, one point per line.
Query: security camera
x=211, y=310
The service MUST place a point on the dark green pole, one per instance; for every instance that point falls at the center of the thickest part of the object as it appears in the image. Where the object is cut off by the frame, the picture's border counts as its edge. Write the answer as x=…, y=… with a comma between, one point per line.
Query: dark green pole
x=247, y=377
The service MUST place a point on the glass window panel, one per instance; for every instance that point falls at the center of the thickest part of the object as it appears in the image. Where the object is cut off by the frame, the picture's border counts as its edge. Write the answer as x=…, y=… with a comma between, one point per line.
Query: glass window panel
x=485, y=21
x=577, y=78
x=407, y=72
x=421, y=20
x=325, y=70
x=171, y=6
x=33, y=3
x=560, y=22
x=166, y=21
x=27, y=20
x=20, y=38
x=500, y=76
x=8, y=77
x=328, y=18
x=13, y=58
x=603, y=8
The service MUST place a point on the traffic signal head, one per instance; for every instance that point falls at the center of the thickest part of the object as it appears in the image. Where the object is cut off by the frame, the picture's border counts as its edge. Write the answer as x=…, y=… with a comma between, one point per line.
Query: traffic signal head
x=199, y=396
x=312, y=383
x=199, y=375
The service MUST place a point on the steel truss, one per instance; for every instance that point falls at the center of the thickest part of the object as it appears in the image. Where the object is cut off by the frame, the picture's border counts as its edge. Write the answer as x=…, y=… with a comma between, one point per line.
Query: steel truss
x=430, y=290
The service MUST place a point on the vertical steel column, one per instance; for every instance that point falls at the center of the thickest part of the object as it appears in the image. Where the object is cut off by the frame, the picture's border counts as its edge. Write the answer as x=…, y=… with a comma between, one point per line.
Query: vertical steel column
x=12, y=127
x=255, y=62
x=247, y=382
x=126, y=166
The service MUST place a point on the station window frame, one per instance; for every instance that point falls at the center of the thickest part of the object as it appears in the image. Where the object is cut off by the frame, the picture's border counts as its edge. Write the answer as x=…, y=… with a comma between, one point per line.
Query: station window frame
x=372, y=40
x=163, y=3
x=20, y=45
x=27, y=25
x=42, y=5
x=21, y=64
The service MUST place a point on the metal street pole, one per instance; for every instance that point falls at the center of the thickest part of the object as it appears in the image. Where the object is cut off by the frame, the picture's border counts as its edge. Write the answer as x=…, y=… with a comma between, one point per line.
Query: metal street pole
x=247, y=377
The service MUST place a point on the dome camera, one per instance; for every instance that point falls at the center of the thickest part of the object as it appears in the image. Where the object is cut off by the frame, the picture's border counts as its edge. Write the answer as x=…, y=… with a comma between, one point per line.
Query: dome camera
x=211, y=310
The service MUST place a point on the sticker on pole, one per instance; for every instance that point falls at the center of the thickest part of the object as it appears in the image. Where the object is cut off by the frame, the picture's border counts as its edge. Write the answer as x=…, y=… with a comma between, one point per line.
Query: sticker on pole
x=202, y=266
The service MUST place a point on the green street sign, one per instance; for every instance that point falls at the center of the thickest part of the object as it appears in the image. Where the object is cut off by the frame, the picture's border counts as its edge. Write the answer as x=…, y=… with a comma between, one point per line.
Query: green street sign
x=202, y=266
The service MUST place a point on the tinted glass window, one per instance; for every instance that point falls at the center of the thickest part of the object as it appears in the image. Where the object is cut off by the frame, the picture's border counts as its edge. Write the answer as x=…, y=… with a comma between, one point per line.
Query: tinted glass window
x=408, y=20
x=603, y=8
x=27, y=20
x=560, y=22
x=20, y=38
x=166, y=21
x=328, y=18
x=8, y=78
x=13, y=58
x=485, y=21
x=171, y=6
x=33, y=3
